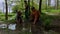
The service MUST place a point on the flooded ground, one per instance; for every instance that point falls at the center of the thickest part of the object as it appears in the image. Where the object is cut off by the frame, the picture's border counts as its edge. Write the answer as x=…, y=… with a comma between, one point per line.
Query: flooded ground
x=11, y=29
x=26, y=29
x=29, y=29
x=10, y=26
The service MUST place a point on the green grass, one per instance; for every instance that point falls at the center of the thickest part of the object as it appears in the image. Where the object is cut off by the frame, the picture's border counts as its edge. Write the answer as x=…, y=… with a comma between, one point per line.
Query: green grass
x=45, y=18
x=51, y=11
x=48, y=19
x=2, y=16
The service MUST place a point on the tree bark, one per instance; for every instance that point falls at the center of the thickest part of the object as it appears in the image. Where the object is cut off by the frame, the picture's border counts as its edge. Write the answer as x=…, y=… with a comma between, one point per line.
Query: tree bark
x=40, y=3
x=6, y=14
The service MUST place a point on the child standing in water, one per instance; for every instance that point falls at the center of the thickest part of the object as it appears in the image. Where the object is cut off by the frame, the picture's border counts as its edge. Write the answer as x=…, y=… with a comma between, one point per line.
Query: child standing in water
x=35, y=14
x=18, y=19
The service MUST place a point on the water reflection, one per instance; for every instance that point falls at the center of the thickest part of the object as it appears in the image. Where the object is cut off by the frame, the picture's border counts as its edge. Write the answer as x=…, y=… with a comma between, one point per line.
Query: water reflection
x=12, y=26
x=33, y=29
x=3, y=26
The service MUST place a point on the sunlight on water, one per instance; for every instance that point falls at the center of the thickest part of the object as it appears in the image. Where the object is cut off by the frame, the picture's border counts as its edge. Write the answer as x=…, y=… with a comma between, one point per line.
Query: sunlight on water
x=12, y=26
x=3, y=26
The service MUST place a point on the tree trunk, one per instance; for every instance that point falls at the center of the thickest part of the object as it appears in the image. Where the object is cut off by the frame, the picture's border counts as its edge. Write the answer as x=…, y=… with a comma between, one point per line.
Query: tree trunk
x=56, y=4
x=46, y=5
x=49, y=1
x=40, y=3
x=6, y=15
x=29, y=6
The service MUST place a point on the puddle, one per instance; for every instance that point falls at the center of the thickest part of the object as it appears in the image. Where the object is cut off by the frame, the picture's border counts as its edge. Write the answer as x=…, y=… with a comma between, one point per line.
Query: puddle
x=30, y=30
x=3, y=25
x=10, y=26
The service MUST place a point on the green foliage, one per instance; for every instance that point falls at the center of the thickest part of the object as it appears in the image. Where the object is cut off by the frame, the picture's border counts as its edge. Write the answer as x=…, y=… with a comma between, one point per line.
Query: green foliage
x=15, y=8
x=19, y=6
x=35, y=5
x=0, y=11
x=47, y=22
x=46, y=19
x=2, y=18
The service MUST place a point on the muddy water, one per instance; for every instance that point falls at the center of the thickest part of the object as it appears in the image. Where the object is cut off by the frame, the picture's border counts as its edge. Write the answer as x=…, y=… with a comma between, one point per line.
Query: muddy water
x=3, y=26
x=10, y=26
x=32, y=29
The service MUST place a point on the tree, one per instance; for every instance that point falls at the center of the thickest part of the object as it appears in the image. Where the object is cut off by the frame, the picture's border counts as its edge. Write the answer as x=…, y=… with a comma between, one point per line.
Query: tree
x=46, y=4
x=40, y=3
x=6, y=15
x=29, y=5
x=56, y=4
x=49, y=1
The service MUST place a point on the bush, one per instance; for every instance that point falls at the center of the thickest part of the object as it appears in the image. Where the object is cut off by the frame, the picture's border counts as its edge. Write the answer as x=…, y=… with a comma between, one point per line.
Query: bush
x=46, y=19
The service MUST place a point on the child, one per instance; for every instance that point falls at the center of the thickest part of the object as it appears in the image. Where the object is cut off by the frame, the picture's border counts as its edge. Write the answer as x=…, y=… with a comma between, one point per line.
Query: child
x=35, y=14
